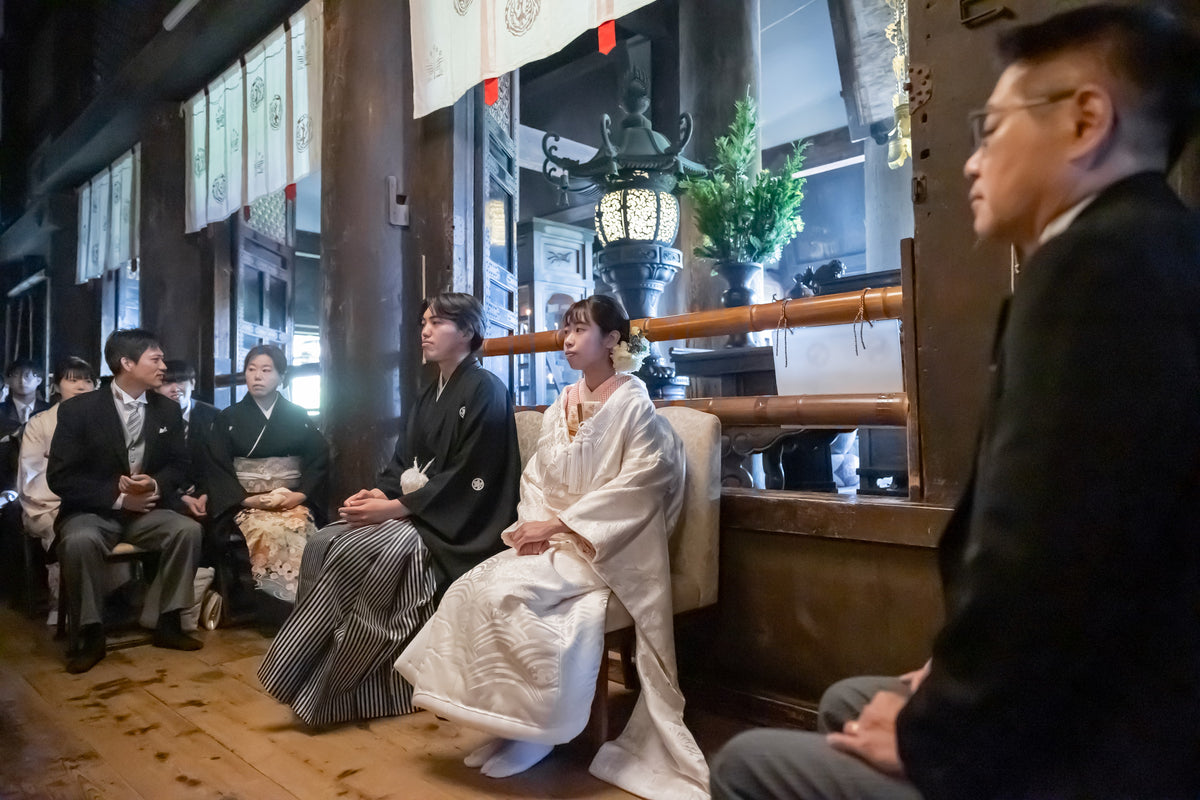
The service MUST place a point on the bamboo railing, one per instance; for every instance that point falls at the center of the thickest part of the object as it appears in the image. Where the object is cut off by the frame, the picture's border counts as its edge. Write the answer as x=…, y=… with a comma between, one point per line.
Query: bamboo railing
x=869, y=305
x=810, y=411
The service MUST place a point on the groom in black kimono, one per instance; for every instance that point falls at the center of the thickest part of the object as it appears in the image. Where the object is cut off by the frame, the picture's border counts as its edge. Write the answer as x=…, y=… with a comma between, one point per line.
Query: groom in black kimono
x=368, y=583
x=117, y=457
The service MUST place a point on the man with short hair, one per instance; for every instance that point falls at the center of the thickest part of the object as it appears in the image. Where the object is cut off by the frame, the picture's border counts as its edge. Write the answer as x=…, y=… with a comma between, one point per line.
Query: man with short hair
x=1069, y=662
x=22, y=378
x=115, y=456
x=179, y=382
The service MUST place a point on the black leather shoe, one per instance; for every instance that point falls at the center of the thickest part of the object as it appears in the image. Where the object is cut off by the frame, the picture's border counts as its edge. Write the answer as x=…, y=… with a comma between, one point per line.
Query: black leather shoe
x=170, y=635
x=90, y=650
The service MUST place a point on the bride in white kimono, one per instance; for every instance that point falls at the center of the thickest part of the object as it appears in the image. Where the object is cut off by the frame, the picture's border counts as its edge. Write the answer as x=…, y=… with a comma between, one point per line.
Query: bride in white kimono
x=515, y=647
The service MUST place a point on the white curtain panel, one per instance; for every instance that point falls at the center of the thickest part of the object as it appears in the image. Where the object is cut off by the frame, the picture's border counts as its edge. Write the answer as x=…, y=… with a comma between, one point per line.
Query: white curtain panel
x=256, y=123
x=82, y=259
x=277, y=150
x=218, y=181
x=121, y=214
x=235, y=136
x=98, y=228
x=306, y=49
x=458, y=43
x=135, y=224
x=195, y=113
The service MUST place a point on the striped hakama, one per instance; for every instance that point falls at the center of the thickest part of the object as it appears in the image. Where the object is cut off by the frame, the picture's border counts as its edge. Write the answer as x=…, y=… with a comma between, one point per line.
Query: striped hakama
x=364, y=593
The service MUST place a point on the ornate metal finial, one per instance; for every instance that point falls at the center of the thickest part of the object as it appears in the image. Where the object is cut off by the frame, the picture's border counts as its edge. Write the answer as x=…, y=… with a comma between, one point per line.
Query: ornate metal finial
x=636, y=155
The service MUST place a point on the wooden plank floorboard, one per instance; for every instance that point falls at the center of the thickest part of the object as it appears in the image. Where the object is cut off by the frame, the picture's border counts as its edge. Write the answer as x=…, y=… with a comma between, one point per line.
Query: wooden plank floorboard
x=146, y=724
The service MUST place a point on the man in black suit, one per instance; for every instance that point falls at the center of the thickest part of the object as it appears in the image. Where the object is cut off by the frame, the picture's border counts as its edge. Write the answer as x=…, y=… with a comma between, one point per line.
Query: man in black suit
x=1069, y=663
x=22, y=377
x=178, y=384
x=115, y=456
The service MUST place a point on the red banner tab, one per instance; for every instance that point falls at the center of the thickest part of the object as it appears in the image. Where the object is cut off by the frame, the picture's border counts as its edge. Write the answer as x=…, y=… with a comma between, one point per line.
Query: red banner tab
x=491, y=90
x=608, y=36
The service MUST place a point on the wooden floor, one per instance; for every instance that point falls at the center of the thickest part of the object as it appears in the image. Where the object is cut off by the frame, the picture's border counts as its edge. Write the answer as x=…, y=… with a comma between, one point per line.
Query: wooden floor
x=157, y=724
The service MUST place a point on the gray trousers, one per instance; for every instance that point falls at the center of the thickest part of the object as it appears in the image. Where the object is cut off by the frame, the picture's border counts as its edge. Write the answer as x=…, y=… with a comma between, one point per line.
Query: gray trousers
x=772, y=764
x=85, y=540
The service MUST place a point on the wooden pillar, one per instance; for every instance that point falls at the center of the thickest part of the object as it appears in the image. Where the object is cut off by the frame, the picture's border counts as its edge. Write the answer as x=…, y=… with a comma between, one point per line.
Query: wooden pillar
x=719, y=61
x=176, y=294
x=369, y=320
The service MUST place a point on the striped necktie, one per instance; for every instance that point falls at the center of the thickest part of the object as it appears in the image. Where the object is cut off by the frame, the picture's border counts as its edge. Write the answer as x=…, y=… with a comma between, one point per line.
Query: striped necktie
x=133, y=434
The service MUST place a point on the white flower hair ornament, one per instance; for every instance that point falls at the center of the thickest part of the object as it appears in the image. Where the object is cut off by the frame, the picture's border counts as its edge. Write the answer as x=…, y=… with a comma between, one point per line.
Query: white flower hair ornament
x=628, y=356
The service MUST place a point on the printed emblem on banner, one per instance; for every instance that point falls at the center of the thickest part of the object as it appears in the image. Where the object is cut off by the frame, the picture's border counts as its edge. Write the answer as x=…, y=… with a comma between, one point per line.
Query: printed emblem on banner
x=235, y=140
x=461, y=6
x=462, y=412
x=220, y=118
x=218, y=189
x=477, y=484
x=116, y=188
x=260, y=163
x=95, y=254
x=303, y=128
x=519, y=15
x=436, y=67
x=199, y=162
x=275, y=112
x=258, y=93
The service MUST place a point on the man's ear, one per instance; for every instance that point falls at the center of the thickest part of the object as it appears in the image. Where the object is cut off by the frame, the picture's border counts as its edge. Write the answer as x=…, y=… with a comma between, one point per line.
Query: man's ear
x=1094, y=120
x=127, y=364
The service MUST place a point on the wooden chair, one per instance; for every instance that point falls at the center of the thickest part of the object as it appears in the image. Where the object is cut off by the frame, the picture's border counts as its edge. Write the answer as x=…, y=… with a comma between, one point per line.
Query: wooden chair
x=693, y=544
x=144, y=563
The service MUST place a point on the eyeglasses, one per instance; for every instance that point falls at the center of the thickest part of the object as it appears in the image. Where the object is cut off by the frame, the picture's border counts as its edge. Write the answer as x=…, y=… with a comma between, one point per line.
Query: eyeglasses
x=978, y=119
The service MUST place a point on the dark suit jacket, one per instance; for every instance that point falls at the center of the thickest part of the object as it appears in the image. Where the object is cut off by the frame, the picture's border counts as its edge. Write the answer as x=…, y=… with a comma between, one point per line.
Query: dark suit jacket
x=88, y=454
x=1069, y=663
x=11, y=429
x=199, y=425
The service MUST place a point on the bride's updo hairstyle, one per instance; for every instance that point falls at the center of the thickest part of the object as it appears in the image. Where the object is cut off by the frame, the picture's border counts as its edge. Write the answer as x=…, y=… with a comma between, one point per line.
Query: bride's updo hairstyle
x=602, y=310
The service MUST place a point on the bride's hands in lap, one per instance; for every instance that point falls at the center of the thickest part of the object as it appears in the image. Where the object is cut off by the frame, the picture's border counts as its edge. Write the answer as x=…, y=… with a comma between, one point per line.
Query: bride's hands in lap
x=532, y=538
x=365, y=494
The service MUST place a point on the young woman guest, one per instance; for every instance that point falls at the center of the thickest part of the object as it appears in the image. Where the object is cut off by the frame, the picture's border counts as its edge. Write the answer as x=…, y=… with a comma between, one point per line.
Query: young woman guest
x=267, y=474
x=516, y=645
x=369, y=582
x=39, y=506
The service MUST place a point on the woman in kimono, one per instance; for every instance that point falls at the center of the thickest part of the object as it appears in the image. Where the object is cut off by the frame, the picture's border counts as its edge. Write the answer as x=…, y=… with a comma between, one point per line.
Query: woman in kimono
x=39, y=505
x=515, y=647
x=369, y=582
x=267, y=474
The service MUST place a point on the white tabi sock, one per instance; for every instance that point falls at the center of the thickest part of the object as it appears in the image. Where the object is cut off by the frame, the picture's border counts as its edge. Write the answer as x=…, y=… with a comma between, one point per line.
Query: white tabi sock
x=480, y=756
x=515, y=757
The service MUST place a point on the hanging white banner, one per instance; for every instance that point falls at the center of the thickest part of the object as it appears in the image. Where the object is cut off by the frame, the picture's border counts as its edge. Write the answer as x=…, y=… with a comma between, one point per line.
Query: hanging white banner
x=256, y=124
x=218, y=181
x=121, y=215
x=98, y=233
x=135, y=206
x=307, y=34
x=277, y=151
x=235, y=162
x=82, y=272
x=196, y=131
x=458, y=43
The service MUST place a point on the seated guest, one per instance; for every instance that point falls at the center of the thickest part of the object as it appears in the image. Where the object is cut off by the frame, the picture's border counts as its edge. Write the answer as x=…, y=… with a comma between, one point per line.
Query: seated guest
x=39, y=505
x=1068, y=664
x=267, y=471
x=369, y=582
x=179, y=381
x=516, y=645
x=21, y=380
x=115, y=456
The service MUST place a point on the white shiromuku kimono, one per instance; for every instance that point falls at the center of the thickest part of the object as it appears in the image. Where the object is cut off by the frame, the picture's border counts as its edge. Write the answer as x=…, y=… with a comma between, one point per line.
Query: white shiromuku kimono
x=515, y=647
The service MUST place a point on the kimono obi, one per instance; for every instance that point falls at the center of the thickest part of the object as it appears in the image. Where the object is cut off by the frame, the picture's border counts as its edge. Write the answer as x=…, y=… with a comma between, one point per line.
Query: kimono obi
x=259, y=475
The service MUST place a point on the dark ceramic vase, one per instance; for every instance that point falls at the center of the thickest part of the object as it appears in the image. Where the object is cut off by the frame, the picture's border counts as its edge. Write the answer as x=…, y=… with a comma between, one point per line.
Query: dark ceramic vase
x=740, y=276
